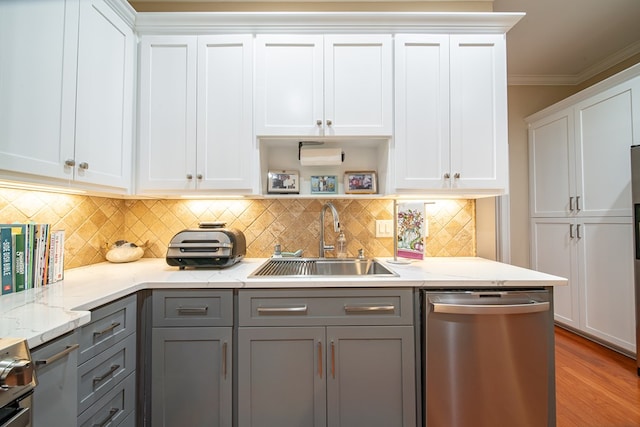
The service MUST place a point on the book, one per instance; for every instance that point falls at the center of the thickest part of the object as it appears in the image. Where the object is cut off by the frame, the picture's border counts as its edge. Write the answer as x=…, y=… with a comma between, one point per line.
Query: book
x=18, y=236
x=57, y=258
x=6, y=260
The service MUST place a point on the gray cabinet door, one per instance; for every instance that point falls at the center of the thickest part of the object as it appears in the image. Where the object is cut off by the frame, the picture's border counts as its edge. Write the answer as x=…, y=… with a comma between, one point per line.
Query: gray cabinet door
x=191, y=377
x=55, y=401
x=281, y=377
x=371, y=376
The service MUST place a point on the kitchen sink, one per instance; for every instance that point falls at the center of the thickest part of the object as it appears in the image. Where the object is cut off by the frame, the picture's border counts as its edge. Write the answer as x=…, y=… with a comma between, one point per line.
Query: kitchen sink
x=321, y=267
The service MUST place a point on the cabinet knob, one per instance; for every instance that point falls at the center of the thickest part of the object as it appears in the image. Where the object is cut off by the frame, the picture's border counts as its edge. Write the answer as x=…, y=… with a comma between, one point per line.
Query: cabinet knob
x=189, y=176
x=329, y=122
x=84, y=165
x=199, y=176
x=318, y=122
x=456, y=175
x=70, y=162
x=447, y=176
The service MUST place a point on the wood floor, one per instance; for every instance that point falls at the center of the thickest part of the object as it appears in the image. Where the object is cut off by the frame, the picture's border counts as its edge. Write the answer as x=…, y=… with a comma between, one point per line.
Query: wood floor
x=595, y=386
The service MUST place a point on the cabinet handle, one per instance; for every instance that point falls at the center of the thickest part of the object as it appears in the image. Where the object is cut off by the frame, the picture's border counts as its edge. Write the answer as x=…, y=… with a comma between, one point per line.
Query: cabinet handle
x=112, y=413
x=70, y=162
x=320, y=359
x=578, y=203
x=333, y=359
x=192, y=310
x=199, y=176
x=456, y=175
x=224, y=360
x=447, y=176
x=318, y=122
x=106, y=375
x=385, y=308
x=84, y=165
x=329, y=122
x=189, y=176
x=578, y=232
x=570, y=203
x=571, y=236
x=104, y=331
x=68, y=349
x=283, y=310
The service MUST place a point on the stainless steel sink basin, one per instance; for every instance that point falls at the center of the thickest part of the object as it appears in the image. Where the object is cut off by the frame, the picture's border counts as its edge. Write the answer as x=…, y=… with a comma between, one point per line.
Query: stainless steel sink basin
x=321, y=267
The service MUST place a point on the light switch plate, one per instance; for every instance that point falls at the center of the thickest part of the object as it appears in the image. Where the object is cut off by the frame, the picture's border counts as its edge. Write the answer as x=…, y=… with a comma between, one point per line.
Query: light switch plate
x=384, y=228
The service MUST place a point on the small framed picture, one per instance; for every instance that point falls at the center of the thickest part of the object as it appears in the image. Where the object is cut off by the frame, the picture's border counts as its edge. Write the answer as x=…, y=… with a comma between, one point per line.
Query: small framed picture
x=360, y=182
x=282, y=182
x=324, y=184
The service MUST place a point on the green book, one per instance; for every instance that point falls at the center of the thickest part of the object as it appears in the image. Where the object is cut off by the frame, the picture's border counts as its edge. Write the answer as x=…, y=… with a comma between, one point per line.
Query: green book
x=6, y=260
x=19, y=263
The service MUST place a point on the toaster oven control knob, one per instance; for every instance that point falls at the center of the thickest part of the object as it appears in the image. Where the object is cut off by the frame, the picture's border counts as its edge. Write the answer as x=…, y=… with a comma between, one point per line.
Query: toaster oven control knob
x=15, y=373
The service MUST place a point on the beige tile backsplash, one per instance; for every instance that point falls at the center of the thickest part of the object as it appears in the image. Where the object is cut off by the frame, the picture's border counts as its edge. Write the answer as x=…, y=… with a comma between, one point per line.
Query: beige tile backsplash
x=92, y=223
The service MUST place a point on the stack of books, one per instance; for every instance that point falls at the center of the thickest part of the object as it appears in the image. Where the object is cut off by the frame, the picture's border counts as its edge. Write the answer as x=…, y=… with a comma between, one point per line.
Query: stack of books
x=31, y=256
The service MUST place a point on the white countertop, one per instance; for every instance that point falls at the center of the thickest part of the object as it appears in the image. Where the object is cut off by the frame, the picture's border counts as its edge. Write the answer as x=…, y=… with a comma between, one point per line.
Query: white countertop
x=42, y=314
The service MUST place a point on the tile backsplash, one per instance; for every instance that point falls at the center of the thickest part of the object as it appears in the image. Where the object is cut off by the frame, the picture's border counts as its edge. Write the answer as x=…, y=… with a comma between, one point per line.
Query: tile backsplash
x=92, y=223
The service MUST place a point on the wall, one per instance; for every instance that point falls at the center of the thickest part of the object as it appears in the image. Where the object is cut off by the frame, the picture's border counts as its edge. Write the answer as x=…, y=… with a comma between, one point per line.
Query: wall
x=94, y=223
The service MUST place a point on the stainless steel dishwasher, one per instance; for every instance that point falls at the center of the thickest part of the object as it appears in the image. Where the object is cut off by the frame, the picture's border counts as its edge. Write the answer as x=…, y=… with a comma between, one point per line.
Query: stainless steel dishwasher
x=488, y=359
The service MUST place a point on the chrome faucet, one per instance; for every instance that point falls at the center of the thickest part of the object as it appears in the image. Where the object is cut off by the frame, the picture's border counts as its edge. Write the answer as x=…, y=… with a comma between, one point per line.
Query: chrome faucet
x=336, y=227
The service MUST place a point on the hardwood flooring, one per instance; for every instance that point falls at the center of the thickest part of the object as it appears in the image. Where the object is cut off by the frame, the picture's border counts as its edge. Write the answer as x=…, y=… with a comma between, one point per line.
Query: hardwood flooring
x=595, y=386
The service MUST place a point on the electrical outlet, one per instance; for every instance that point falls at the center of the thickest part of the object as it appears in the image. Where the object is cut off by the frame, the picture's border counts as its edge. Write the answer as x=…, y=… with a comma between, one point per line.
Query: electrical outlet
x=384, y=228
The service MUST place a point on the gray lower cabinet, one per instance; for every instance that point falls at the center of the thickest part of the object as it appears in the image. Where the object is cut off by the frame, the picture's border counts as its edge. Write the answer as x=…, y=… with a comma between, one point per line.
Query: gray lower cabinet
x=339, y=357
x=106, y=371
x=55, y=399
x=191, y=362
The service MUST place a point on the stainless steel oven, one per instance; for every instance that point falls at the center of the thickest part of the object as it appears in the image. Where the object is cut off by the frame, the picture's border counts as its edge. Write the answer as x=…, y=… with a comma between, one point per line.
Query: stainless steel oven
x=17, y=381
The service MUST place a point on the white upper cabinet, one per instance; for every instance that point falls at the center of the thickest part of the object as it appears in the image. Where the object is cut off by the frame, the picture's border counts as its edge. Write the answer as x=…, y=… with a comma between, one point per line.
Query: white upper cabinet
x=66, y=105
x=331, y=85
x=196, y=114
x=579, y=155
x=451, y=113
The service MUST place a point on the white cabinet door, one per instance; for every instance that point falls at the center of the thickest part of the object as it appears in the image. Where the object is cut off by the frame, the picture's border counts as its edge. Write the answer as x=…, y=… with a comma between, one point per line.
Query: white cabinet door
x=554, y=248
x=312, y=85
x=478, y=79
x=606, y=274
x=226, y=157
x=421, y=147
x=358, y=85
x=104, y=108
x=167, y=145
x=552, y=189
x=604, y=132
x=38, y=58
x=289, y=85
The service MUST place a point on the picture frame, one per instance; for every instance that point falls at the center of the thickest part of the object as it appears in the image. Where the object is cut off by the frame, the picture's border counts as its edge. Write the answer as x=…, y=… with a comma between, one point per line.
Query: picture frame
x=324, y=184
x=283, y=182
x=360, y=182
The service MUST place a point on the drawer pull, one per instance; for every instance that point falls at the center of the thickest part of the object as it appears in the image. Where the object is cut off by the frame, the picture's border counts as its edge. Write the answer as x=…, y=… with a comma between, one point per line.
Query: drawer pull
x=107, y=374
x=302, y=309
x=224, y=360
x=112, y=413
x=192, y=310
x=333, y=360
x=106, y=330
x=56, y=357
x=320, y=359
x=386, y=308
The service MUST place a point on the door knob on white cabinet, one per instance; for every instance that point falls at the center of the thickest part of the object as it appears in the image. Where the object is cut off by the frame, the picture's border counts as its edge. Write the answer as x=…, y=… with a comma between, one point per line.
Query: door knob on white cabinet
x=329, y=122
x=189, y=176
x=84, y=165
x=456, y=175
x=70, y=163
x=447, y=176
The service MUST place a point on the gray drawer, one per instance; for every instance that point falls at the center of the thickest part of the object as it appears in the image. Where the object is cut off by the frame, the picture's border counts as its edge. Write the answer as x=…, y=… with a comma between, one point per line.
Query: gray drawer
x=100, y=374
x=113, y=408
x=305, y=307
x=192, y=308
x=109, y=324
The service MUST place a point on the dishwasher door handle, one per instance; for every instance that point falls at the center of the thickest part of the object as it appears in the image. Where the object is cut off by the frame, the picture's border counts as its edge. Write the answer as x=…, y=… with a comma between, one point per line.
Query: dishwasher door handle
x=533, y=307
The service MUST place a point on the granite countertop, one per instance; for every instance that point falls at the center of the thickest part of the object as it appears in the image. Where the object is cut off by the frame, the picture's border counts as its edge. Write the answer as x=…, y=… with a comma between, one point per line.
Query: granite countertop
x=42, y=314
